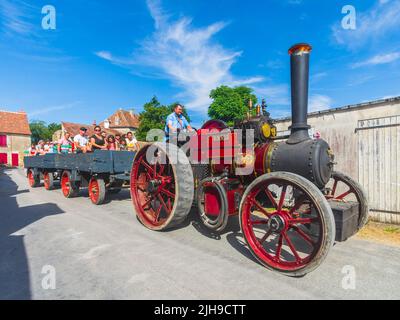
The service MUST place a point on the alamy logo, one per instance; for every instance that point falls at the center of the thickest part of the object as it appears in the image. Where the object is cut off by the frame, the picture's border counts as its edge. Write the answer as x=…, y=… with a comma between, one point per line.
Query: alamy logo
x=349, y=20
x=49, y=20
x=49, y=279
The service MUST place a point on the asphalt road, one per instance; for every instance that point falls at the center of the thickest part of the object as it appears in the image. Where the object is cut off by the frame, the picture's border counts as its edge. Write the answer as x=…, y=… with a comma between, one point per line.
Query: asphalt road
x=103, y=252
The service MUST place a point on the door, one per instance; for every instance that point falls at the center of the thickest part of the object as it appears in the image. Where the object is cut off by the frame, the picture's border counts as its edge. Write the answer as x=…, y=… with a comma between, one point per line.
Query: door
x=15, y=160
x=3, y=158
x=379, y=162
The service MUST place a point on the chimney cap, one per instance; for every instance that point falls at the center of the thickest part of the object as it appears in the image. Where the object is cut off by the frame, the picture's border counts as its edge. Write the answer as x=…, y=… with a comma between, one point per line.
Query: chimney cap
x=300, y=47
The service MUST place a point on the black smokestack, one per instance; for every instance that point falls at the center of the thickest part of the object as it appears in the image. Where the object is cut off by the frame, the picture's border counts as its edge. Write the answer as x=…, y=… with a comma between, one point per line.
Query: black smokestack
x=299, y=65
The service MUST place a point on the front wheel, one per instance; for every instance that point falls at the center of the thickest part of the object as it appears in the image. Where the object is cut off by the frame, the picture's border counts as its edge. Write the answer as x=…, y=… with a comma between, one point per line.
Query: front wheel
x=287, y=223
x=341, y=187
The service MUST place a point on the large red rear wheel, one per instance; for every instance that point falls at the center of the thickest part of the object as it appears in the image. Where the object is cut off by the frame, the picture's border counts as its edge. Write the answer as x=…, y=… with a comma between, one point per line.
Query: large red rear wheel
x=162, y=186
x=69, y=188
x=34, y=181
x=343, y=188
x=287, y=223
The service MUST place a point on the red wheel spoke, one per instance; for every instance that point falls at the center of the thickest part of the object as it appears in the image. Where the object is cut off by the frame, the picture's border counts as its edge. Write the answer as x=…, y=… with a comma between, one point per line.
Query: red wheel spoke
x=168, y=193
x=305, y=236
x=298, y=204
x=302, y=220
x=344, y=195
x=291, y=246
x=265, y=236
x=271, y=198
x=279, y=248
x=147, y=203
x=253, y=201
x=169, y=204
x=148, y=167
x=282, y=198
x=334, y=187
x=157, y=215
x=162, y=167
x=163, y=203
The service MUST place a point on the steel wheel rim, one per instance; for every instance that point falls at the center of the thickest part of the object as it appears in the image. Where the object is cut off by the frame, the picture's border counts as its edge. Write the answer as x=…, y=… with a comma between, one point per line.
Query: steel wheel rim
x=154, y=208
x=65, y=184
x=291, y=228
x=94, y=190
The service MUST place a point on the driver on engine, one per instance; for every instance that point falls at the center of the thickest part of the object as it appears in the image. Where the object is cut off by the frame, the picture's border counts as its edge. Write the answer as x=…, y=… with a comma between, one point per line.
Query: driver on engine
x=176, y=122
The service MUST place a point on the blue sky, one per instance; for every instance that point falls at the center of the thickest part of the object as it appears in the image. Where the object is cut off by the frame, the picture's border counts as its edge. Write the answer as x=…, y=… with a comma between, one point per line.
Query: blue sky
x=105, y=55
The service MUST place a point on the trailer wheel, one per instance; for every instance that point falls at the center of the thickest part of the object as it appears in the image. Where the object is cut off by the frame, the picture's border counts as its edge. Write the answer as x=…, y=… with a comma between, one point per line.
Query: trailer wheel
x=97, y=190
x=162, y=188
x=341, y=187
x=69, y=188
x=48, y=179
x=34, y=181
x=287, y=223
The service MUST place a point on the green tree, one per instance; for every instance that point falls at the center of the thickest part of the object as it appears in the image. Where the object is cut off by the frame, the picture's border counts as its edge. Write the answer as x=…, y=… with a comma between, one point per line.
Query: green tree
x=227, y=105
x=41, y=131
x=246, y=94
x=230, y=104
x=153, y=116
x=53, y=127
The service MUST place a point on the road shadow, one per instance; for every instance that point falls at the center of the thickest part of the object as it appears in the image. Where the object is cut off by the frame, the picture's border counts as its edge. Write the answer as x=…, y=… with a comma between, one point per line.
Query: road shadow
x=14, y=264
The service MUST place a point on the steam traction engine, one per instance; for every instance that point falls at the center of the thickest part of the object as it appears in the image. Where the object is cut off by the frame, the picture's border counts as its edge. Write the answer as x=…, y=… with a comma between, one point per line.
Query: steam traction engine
x=292, y=206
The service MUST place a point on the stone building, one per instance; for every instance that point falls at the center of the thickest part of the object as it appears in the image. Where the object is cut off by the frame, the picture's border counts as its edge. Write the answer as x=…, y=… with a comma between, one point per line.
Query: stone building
x=365, y=139
x=15, y=137
x=122, y=121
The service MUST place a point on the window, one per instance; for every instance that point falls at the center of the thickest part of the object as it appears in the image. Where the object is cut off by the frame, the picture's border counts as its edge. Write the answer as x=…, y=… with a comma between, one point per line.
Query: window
x=3, y=140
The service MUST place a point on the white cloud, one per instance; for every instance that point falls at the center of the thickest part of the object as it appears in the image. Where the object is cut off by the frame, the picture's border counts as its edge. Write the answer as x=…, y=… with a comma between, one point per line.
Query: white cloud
x=104, y=55
x=275, y=94
x=17, y=18
x=378, y=59
x=372, y=25
x=53, y=109
x=318, y=102
x=187, y=55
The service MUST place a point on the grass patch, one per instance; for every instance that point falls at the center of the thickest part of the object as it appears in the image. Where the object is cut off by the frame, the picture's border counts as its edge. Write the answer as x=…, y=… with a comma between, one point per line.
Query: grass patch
x=392, y=229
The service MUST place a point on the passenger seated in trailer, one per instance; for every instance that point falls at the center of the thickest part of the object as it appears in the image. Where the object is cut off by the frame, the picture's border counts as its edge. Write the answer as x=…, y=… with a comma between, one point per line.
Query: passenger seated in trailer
x=131, y=142
x=40, y=148
x=117, y=141
x=32, y=150
x=65, y=144
x=97, y=140
x=81, y=141
x=111, y=145
x=122, y=145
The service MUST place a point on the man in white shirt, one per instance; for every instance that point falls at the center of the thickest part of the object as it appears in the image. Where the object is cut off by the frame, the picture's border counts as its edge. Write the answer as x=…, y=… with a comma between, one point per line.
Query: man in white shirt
x=131, y=142
x=81, y=141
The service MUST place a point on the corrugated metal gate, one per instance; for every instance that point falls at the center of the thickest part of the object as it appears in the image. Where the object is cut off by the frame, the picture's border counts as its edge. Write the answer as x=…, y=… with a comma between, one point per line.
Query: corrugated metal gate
x=379, y=168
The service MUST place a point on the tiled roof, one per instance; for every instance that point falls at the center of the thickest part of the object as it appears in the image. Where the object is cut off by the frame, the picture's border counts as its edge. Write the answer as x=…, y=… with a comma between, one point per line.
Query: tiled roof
x=73, y=128
x=14, y=123
x=123, y=119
